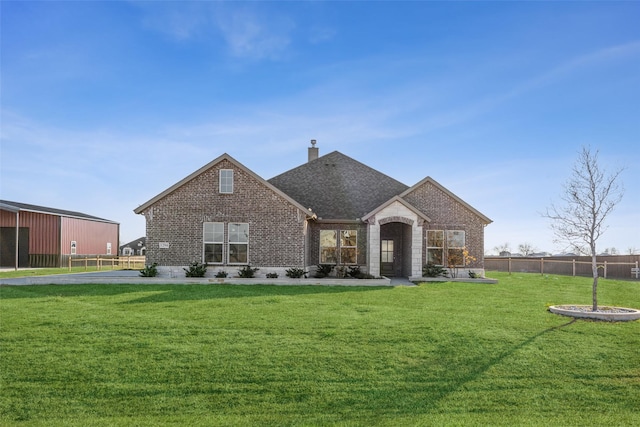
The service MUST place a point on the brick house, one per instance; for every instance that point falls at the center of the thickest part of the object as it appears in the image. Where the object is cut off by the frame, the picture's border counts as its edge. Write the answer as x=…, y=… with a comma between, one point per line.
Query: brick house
x=330, y=210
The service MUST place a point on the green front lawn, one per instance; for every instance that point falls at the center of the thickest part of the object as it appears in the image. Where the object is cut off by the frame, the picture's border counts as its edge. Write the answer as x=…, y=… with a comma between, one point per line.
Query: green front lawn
x=436, y=354
x=28, y=272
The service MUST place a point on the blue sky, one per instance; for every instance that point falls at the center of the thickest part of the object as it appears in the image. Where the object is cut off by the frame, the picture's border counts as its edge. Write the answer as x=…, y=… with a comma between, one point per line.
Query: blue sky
x=106, y=104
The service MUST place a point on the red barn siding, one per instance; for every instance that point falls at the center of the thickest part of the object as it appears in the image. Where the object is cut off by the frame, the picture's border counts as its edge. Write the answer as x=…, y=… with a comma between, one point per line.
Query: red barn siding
x=44, y=230
x=91, y=236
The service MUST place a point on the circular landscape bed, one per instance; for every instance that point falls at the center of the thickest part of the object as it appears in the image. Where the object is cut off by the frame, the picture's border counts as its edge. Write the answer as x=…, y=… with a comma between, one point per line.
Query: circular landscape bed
x=611, y=314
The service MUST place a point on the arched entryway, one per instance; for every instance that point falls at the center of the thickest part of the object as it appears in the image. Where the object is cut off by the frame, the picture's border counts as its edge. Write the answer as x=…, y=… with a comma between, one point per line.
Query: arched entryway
x=395, y=249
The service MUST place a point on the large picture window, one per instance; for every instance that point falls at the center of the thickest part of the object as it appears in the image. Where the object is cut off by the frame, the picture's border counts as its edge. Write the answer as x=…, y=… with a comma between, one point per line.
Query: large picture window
x=455, y=247
x=328, y=247
x=435, y=247
x=238, y=243
x=338, y=246
x=213, y=240
x=226, y=181
x=348, y=247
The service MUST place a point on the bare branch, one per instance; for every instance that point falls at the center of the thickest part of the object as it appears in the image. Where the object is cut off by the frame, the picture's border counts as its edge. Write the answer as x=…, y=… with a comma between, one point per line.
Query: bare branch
x=589, y=196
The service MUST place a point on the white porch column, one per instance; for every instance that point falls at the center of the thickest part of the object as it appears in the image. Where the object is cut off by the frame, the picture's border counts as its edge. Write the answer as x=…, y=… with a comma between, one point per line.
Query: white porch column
x=373, y=249
x=416, y=249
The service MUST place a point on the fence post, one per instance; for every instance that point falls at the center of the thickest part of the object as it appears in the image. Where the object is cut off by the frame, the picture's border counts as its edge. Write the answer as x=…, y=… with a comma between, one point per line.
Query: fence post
x=97, y=262
x=542, y=266
x=86, y=263
x=509, y=266
x=605, y=269
x=69, y=262
x=574, y=267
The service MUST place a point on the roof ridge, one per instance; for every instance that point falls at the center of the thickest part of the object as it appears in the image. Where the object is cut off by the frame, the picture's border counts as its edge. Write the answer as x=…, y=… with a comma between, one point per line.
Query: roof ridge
x=343, y=155
x=48, y=210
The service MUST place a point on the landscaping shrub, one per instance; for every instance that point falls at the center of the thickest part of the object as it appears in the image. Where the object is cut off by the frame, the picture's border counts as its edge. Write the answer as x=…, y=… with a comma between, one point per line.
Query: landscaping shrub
x=272, y=275
x=296, y=273
x=323, y=270
x=221, y=274
x=354, y=271
x=195, y=269
x=247, y=272
x=433, y=270
x=149, y=270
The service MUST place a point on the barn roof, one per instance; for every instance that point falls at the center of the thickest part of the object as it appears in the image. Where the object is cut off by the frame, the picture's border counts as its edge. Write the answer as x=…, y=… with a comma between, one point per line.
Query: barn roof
x=6, y=205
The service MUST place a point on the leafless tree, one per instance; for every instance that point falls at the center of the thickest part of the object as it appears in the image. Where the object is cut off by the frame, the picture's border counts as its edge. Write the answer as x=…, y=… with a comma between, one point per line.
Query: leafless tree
x=589, y=196
x=526, y=249
x=502, y=249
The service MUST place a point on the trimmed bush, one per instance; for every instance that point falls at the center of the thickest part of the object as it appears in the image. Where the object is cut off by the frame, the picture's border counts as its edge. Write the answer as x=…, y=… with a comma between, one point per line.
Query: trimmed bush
x=149, y=270
x=433, y=270
x=323, y=270
x=296, y=273
x=196, y=269
x=247, y=272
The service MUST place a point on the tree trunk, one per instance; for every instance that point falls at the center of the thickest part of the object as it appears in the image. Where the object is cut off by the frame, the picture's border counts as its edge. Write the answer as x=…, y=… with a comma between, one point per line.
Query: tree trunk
x=594, y=292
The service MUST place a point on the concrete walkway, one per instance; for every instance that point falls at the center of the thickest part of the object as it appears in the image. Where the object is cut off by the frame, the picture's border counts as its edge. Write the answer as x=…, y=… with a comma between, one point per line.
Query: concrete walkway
x=401, y=281
x=108, y=277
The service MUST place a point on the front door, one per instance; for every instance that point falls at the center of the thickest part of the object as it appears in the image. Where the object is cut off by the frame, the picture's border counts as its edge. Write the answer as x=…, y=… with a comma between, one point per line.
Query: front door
x=387, y=258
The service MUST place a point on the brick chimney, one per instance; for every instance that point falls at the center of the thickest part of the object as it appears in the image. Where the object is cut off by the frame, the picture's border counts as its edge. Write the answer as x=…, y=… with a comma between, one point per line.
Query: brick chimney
x=313, y=150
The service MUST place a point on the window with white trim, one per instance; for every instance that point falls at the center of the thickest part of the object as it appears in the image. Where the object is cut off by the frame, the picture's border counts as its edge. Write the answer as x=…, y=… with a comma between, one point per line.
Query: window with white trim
x=348, y=247
x=74, y=247
x=213, y=242
x=328, y=247
x=108, y=248
x=435, y=247
x=238, y=248
x=455, y=247
x=226, y=181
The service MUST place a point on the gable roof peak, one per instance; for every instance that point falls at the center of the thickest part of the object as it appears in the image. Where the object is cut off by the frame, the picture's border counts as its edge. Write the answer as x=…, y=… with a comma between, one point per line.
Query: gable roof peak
x=225, y=156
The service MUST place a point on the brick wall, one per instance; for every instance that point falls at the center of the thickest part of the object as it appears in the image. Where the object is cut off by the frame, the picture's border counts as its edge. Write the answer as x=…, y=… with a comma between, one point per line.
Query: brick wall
x=314, y=241
x=276, y=227
x=447, y=213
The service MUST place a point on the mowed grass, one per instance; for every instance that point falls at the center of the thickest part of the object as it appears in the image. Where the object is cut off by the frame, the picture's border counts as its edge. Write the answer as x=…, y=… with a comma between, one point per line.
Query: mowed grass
x=436, y=354
x=28, y=272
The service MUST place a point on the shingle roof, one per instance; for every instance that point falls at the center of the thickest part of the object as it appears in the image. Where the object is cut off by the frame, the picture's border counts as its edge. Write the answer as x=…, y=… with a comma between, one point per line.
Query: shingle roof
x=139, y=242
x=16, y=206
x=336, y=186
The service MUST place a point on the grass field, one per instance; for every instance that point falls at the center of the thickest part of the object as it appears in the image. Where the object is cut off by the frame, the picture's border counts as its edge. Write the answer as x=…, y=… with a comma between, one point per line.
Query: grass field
x=28, y=272
x=436, y=354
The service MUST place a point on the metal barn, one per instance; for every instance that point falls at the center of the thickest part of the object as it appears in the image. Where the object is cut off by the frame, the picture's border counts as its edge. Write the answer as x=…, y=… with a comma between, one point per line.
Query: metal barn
x=38, y=236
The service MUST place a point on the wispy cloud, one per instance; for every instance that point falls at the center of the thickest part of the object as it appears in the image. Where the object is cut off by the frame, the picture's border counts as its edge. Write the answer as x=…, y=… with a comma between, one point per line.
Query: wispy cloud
x=573, y=65
x=179, y=20
x=248, y=30
x=253, y=34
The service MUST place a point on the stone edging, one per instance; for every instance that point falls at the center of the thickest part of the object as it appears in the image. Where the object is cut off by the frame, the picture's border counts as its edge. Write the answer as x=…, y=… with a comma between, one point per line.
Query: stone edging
x=449, y=279
x=80, y=279
x=614, y=314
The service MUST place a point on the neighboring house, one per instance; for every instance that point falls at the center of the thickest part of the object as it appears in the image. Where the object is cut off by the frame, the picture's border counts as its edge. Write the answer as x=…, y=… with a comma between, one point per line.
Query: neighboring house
x=135, y=247
x=46, y=237
x=330, y=210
